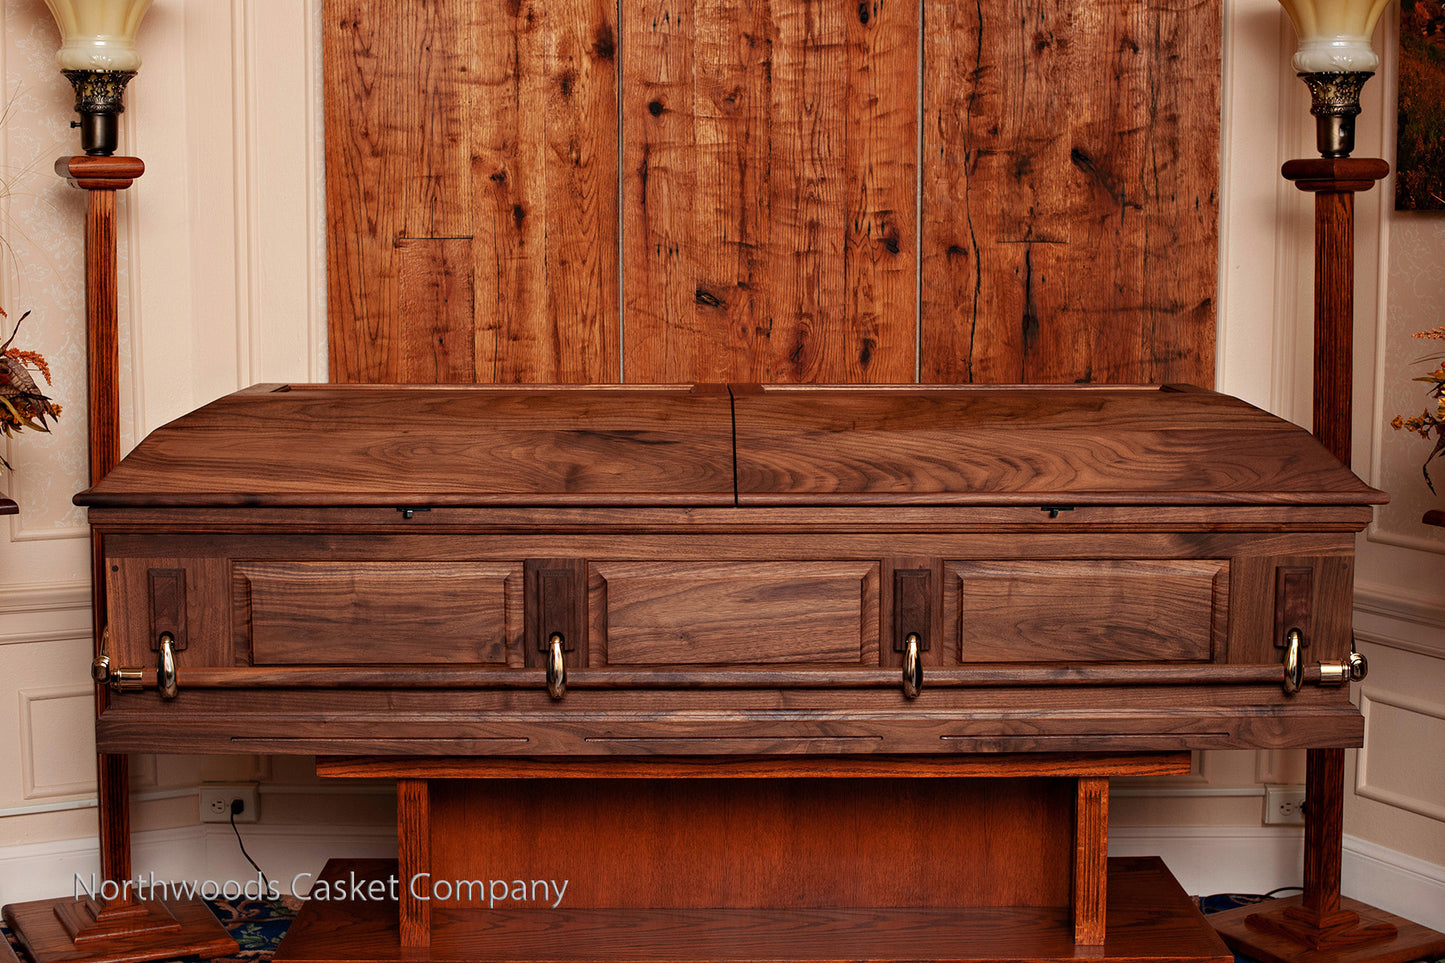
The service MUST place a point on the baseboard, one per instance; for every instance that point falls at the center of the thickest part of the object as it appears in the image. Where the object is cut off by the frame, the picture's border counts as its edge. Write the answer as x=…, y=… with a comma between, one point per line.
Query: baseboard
x=1394, y=881
x=1218, y=859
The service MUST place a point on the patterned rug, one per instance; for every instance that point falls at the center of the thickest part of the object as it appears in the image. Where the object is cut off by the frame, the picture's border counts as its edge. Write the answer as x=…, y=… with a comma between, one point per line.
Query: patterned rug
x=256, y=925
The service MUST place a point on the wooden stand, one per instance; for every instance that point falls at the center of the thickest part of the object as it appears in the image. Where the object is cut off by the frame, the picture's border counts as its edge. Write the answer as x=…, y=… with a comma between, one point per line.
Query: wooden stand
x=965, y=858
x=69, y=930
x=1318, y=926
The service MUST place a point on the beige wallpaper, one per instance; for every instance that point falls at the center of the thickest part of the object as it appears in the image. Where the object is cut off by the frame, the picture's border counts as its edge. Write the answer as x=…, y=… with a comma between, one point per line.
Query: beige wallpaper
x=1416, y=303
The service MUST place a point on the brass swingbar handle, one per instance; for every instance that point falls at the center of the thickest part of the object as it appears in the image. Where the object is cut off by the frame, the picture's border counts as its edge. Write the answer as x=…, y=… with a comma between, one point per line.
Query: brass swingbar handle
x=454, y=677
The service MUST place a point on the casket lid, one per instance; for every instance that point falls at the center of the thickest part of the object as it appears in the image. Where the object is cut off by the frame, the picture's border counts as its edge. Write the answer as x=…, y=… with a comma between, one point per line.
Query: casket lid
x=353, y=445
x=366, y=445
x=1075, y=445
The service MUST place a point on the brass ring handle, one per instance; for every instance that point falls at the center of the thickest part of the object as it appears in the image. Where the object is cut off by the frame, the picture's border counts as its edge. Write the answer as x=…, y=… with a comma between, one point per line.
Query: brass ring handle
x=166, y=666
x=912, y=666
x=556, y=666
x=1294, y=666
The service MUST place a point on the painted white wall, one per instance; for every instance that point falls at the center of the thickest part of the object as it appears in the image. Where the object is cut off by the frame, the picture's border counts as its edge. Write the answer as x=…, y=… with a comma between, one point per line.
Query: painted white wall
x=222, y=285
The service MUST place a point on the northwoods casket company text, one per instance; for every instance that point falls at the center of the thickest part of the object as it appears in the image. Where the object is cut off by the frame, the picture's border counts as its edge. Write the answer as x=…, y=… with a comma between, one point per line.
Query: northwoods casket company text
x=421, y=886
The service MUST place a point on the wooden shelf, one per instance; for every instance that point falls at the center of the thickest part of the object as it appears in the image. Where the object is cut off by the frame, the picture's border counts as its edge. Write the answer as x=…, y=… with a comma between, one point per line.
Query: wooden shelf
x=1149, y=918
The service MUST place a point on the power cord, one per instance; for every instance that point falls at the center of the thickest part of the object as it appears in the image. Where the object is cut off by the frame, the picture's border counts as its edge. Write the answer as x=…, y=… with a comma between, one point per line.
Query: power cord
x=236, y=807
x=1283, y=889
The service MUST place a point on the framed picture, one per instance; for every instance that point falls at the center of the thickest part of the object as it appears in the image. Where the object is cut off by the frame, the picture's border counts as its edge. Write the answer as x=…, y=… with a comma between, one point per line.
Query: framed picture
x=1420, y=139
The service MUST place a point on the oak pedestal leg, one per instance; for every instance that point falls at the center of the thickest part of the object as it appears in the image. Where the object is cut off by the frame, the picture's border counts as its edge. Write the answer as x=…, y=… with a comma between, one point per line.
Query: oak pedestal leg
x=127, y=927
x=1319, y=926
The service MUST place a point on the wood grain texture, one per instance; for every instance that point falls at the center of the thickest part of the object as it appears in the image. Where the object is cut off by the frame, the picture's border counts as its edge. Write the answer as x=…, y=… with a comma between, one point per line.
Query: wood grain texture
x=471, y=171
x=909, y=444
x=1324, y=835
x=1334, y=365
x=575, y=466
x=769, y=157
x=1373, y=941
x=1082, y=611
x=414, y=858
x=436, y=299
x=630, y=447
x=1149, y=918
x=206, y=628
x=502, y=444
x=768, y=181
x=995, y=765
x=1334, y=182
x=101, y=178
x=761, y=843
x=751, y=613
x=694, y=721
x=1070, y=169
x=1091, y=857
x=159, y=929
x=419, y=613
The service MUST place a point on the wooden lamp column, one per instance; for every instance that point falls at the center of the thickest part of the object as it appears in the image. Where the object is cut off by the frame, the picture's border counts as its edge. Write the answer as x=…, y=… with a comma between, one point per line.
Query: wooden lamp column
x=124, y=922
x=1319, y=926
x=128, y=927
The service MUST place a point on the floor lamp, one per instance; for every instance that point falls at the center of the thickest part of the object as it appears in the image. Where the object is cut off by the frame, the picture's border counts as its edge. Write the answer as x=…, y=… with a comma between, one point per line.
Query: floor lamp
x=120, y=923
x=1334, y=59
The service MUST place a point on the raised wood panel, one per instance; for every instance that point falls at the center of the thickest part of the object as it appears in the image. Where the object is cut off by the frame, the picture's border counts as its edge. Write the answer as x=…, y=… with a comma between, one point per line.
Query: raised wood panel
x=744, y=613
x=1070, y=167
x=478, y=140
x=1095, y=610
x=408, y=613
x=769, y=157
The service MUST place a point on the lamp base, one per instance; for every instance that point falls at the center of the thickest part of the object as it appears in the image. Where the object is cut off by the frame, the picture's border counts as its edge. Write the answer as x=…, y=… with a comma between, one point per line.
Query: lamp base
x=1335, y=102
x=1279, y=931
x=98, y=101
x=84, y=931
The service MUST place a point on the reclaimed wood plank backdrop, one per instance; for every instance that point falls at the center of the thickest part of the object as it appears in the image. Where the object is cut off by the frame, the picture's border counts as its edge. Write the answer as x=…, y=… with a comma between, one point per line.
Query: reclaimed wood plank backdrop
x=772, y=190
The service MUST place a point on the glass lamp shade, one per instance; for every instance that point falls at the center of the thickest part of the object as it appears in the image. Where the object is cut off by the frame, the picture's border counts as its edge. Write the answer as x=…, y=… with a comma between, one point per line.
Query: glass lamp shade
x=1334, y=35
x=98, y=35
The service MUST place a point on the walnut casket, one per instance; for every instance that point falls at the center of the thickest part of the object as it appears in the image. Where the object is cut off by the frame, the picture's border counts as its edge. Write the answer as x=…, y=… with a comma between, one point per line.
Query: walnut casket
x=611, y=571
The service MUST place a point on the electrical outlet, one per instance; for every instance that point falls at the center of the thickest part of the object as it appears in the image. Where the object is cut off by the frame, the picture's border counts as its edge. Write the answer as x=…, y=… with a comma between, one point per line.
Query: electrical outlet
x=1284, y=805
x=216, y=799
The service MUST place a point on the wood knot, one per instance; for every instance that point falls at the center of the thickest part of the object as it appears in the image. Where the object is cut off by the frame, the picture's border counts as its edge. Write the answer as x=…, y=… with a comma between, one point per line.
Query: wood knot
x=604, y=44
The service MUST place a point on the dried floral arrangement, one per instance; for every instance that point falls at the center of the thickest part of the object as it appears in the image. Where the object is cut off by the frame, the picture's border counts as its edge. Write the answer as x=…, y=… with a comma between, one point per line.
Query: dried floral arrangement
x=22, y=404
x=1429, y=422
